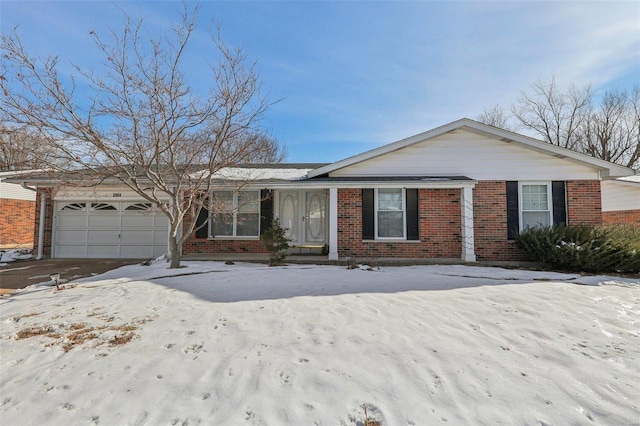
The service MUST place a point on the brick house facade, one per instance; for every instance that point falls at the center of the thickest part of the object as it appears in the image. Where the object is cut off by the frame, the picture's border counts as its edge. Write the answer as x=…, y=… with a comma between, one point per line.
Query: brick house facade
x=461, y=191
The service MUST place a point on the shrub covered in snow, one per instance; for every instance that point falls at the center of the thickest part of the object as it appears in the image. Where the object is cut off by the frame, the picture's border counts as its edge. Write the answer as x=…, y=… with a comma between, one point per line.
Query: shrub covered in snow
x=584, y=248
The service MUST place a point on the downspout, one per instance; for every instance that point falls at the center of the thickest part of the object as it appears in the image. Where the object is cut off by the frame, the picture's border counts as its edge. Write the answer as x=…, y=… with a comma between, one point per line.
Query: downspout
x=43, y=209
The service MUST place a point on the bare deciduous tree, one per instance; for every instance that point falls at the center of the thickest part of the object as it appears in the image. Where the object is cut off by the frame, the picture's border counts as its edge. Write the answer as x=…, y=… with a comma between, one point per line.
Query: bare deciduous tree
x=612, y=130
x=137, y=120
x=496, y=116
x=606, y=128
x=553, y=114
x=21, y=149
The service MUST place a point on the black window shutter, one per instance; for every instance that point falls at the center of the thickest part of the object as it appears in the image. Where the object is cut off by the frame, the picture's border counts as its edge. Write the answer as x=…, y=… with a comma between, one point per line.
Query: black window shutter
x=413, y=230
x=266, y=210
x=559, y=203
x=368, y=213
x=513, y=216
x=202, y=226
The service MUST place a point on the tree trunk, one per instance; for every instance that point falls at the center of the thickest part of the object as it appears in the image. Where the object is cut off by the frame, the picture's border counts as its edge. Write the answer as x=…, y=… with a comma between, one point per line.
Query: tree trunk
x=174, y=252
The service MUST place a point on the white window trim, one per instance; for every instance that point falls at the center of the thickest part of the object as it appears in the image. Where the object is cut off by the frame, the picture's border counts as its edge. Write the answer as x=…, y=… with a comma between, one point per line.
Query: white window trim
x=234, y=213
x=404, y=216
x=520, y=200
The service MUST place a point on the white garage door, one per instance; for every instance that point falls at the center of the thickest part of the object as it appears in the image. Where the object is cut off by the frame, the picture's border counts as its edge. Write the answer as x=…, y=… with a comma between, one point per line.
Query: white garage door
x=127, y=230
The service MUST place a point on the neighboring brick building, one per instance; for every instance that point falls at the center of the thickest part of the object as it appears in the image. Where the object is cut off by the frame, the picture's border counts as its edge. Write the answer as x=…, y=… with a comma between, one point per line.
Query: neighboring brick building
x=17, y=212
x=460, y=191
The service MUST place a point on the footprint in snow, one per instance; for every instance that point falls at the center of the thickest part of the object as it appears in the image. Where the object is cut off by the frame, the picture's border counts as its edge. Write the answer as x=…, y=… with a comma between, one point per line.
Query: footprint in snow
x=140, y=419
x=67, y=406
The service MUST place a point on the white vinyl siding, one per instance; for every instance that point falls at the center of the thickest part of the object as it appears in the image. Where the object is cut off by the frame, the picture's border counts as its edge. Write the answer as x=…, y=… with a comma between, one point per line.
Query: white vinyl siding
x=390, y=213
x=238, y=214
x=13, y=191
x=620, y=196
x=535, y=204
x=463, y=153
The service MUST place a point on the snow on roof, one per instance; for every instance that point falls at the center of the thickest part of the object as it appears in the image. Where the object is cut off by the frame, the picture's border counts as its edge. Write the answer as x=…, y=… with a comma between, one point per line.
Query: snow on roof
x=258, y=173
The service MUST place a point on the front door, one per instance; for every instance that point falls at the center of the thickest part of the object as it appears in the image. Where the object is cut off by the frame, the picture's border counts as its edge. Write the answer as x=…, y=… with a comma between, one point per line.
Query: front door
x=303, y=214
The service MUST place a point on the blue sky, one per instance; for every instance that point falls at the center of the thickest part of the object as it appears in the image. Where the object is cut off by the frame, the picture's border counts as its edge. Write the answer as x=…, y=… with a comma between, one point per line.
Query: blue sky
x=356, y=75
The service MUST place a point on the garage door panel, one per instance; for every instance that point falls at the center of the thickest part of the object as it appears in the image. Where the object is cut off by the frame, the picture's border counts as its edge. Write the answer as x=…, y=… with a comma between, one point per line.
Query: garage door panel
x=161, y=237
x=103, y=236
x=71, y=251
x=71, y=221
x=117, y=233
x=104, y=221
x=137, y=220
x=103, y=251
x=137, y=236
x=160, y=220
x=72, y=236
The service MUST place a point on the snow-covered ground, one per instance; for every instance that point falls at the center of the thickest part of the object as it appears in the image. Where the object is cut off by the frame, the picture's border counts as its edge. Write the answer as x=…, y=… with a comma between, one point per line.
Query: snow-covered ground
x=216, y=344
x=12, y=255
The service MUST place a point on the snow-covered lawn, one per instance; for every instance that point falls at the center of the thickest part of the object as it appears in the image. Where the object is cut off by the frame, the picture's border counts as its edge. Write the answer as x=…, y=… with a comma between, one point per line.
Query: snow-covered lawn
x=218, y=344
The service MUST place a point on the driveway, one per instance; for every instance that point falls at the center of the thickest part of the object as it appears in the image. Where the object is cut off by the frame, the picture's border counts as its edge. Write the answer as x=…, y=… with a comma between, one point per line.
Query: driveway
x=24, y=273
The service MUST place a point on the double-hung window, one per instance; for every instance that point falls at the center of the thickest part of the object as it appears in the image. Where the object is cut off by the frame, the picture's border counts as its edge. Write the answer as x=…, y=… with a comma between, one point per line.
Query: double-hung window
x=535, y=205
x=237, y=215
x=390, y=213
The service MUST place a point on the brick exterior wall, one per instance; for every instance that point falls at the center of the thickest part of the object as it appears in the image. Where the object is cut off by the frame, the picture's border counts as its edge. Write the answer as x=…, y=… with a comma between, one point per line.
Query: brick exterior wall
x=622, y=217
x=48, y=220
x=439, y=224
x=17, y=223
x=202, y=245
x=439, y=221
x=584, y=202
x=490, y=222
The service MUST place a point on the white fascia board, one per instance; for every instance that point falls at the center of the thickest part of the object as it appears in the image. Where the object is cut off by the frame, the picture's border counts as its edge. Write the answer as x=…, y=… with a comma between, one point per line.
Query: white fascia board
x=363, y=184
x=607, y=169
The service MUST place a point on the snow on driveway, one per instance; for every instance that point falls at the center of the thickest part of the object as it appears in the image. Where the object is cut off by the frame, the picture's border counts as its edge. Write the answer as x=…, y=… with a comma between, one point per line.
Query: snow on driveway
x=247, y=344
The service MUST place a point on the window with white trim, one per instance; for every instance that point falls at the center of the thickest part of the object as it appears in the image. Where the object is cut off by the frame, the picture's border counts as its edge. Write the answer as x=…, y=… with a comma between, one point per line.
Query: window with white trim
x=535, y=205
x=390, y=213
x=238, y=214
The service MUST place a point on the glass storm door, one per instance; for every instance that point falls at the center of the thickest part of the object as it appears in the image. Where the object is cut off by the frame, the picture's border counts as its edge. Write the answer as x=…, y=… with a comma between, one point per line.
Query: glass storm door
x=314, y=218
x=303, y=215
x=289, y=215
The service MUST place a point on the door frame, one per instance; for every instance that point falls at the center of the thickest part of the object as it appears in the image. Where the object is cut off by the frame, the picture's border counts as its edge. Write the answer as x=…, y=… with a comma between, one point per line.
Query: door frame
x=302, y=214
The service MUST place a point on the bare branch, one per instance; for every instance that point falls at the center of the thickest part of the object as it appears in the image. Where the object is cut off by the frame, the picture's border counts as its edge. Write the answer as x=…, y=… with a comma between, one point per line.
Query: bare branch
x=138, y=120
